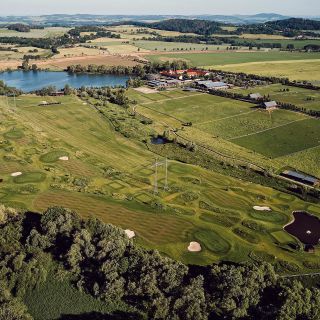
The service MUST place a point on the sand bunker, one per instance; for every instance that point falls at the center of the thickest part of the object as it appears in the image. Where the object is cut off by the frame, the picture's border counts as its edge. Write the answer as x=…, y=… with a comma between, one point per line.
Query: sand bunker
x=16, y=174
x=130, y=233
x=194, y=247
x=258, y=208
x=64, y=158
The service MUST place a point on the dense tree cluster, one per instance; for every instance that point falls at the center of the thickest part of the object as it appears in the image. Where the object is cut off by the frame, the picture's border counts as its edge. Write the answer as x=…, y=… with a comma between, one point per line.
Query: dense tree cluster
x=20, y=27
x=288, y=27
x=137, y=70
x=8, y=91
x=72, y=37
x=103, y=262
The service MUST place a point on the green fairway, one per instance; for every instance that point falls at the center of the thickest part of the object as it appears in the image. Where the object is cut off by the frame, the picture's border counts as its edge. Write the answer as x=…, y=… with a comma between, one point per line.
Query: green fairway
x=221, y=58
x=111, y=177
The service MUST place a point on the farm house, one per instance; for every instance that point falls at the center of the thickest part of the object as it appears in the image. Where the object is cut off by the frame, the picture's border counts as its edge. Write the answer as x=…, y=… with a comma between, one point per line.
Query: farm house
x=270, y=105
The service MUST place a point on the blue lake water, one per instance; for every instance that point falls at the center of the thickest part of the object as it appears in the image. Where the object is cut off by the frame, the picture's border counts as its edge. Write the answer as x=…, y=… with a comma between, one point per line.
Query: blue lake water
x=34, y=80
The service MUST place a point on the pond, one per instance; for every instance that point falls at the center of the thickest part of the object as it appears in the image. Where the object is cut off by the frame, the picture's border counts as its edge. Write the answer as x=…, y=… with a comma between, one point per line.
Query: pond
x=305, y=227
x=159, y=140
x=35, y=80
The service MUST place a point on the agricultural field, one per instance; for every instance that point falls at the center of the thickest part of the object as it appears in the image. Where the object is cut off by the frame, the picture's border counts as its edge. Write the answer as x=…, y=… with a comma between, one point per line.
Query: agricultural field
x=309, y=99
x=49, y=32
x=298, y=44
x=134, y=32
x=218, y=59
x=299, y=70
x=176, y=46
x=70, y=155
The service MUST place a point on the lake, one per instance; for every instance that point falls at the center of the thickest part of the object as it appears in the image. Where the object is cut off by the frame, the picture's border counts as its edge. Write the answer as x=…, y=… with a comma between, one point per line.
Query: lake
x=34, y=80
x=305, y=227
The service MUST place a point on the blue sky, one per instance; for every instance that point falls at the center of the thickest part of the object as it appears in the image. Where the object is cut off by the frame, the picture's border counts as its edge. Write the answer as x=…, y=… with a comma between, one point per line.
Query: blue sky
x=35, y=7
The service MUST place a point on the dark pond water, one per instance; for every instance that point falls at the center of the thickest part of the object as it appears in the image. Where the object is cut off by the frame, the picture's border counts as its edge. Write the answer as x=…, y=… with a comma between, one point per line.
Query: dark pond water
x=305, y=227
x=159, y=140
x=34, y=80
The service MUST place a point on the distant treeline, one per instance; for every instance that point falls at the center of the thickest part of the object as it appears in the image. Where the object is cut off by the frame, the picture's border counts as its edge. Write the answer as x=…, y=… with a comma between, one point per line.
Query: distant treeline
x=8, y=91
x=72, y=37
x=138, y=70
x=288, y=27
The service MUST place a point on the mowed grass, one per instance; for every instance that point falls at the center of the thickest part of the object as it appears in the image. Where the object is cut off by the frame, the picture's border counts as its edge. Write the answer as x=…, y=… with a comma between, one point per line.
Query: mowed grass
x=226, y=58
x=284, y=140
x=309, y=99
x=155, y=227
x=94, y=136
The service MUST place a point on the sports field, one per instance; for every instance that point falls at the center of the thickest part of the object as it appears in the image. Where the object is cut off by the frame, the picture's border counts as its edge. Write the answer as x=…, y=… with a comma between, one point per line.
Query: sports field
x=111, y=177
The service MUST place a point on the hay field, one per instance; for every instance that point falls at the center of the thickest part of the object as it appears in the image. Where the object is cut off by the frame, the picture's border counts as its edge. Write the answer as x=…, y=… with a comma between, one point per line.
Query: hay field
x=218, y=59
x=308, y=70
x=176, y=46
x=49, y=32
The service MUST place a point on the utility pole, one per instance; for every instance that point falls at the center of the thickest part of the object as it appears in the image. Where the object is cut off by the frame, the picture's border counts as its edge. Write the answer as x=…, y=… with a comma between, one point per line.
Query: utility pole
x=166, y=179
x=156, y=165
x=156, y=178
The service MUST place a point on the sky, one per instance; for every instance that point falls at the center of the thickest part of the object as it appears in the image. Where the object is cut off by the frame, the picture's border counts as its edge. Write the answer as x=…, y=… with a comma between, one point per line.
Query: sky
x=184, y=7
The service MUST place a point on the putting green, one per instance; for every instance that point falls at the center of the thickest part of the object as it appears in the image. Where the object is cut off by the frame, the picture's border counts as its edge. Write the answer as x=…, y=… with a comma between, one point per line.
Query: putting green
x=53, y=156
x=30, y=177
x=212, y=241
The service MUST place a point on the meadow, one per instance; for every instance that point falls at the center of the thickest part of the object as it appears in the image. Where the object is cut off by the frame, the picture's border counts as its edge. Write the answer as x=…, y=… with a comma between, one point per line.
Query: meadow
x=111, y=177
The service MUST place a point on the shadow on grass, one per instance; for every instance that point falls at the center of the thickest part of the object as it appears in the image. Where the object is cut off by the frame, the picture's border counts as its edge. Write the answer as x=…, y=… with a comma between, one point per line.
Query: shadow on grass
x=117, y=315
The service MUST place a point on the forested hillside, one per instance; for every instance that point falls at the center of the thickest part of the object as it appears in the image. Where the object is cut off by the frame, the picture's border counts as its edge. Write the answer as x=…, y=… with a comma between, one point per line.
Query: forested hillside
x=98, y=259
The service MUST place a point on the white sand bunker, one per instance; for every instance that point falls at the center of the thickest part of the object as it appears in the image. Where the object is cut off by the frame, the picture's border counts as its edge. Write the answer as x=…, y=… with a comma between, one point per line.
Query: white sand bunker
x=258, y=208
x=130, y=233
x=64, y=158
x=194, y=247
x=16, y=174
x=309, y=232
